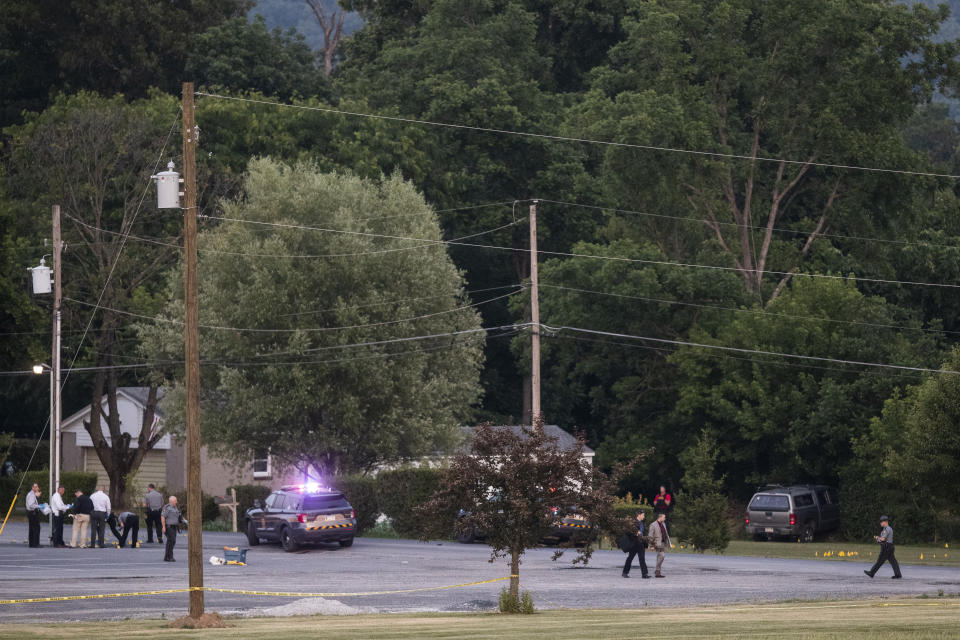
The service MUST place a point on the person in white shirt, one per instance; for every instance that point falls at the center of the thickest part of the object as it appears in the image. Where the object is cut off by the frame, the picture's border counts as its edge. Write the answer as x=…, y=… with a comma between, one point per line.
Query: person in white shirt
x=33, y=515
x=98, y=517
x=59, y=510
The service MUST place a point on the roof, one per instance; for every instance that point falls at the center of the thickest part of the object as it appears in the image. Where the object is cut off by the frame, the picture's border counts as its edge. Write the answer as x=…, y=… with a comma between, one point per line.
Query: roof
x=565, y=440
x=140, y=395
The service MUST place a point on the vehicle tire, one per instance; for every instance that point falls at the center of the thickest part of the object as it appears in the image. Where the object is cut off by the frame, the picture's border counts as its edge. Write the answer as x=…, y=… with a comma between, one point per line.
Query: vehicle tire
x=252, y=538
x=288, y=543
x=806, y=534
x=759, y=537
x=466, y=537
x=346, y=543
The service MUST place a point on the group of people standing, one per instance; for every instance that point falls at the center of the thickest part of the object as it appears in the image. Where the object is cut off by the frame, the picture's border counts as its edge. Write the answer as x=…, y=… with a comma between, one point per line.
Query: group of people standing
x=637, y=539
x=96, y=513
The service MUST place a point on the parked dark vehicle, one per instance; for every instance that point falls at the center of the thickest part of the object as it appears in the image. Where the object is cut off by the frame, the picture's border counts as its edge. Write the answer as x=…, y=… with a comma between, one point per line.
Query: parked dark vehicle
x=301, y=514
x=796, y=511
x=571, y=526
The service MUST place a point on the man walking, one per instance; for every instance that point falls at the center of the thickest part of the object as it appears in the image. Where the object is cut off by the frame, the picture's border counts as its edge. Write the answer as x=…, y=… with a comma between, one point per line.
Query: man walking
x=659, y=541
x=170, y=519
x=638, y=548
x=59, y=511
x=126, y=522
x=98, y=517
x=152, y=503
x=82, y=508
x=886, y=550
x=33, y=515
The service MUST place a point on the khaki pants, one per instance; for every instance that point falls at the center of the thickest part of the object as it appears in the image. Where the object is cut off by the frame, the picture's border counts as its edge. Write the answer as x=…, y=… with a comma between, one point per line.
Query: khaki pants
x=80, y=521
x=659, y=560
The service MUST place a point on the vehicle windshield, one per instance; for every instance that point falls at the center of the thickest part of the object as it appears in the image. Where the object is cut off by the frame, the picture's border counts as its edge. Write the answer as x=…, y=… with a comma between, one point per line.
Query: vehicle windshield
x=329, y=501
x=767, y=502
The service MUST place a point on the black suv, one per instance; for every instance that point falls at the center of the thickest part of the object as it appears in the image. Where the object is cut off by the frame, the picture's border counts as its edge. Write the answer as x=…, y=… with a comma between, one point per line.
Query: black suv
x=797, y=511
x=299, y=514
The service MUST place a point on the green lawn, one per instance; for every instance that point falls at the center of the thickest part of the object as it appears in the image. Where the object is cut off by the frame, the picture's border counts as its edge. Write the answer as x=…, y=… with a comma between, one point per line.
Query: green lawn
x=917, y=619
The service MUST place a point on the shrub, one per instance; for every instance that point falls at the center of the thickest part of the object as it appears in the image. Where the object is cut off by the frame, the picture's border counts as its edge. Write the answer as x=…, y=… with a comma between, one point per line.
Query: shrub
x=400, y=491
x=509, y=603
x=246, y=494
x=361, y=492
x=209, y=509
x=71, y=480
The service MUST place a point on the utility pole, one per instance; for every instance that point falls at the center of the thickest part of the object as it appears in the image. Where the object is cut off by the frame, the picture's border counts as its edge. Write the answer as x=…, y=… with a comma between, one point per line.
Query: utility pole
x=192, y=355
x=55, y=360
x=534, y=320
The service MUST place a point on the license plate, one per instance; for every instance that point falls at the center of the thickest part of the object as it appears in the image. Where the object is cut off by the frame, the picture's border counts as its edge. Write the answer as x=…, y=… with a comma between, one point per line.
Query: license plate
x=325, y=518
x=768, y=530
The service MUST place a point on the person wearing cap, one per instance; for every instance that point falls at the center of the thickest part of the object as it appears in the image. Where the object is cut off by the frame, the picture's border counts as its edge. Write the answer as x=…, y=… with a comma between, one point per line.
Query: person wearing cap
x=886, y=550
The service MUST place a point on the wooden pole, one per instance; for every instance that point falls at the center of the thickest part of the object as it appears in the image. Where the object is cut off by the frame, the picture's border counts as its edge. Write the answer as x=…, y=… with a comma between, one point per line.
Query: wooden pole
x=192, y=355
x=535, y=414
x=55, y=361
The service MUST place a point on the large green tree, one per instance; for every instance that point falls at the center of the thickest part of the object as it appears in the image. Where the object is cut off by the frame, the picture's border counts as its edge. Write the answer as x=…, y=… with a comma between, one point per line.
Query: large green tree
x=94, y=156
x=784, y=87
x=317, y=309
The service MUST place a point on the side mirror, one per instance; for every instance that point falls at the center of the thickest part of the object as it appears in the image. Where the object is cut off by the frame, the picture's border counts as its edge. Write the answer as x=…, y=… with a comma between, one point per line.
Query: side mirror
x=257, y=504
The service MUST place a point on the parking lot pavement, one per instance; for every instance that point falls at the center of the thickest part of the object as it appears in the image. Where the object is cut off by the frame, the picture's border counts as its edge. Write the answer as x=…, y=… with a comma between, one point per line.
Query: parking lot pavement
x=385, y=565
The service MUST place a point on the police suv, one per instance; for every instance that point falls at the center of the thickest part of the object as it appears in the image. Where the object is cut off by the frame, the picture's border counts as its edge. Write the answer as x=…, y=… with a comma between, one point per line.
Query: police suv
x=301, y=514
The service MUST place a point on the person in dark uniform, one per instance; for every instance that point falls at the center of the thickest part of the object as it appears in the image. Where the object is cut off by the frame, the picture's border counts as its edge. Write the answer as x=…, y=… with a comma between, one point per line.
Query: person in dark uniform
x=663, y=502
x=638, y=548
x=127, y=522
x=170, y=518
x=33, y=515
x=886, y=550
x=152, y=504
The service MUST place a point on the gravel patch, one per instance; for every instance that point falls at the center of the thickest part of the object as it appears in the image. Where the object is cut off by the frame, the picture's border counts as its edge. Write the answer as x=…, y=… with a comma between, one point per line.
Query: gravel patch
x=309, y=607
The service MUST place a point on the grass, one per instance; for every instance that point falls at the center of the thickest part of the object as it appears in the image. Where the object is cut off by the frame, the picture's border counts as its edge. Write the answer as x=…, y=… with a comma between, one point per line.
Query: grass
x=855, y=552
x=381, y=530
x=917, y=619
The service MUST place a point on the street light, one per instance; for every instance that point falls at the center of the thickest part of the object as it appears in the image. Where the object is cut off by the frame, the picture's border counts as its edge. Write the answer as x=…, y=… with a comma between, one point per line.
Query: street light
x=54, y=466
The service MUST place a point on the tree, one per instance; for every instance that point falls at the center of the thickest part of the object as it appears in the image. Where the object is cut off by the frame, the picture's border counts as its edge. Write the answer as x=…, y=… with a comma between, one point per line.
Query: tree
x=94, y=157
x=332, y=26
x=245, y=56
x=330, y=337
x=825, y=82
x=105, y=46
x=786, y=420
x=509, y=484
x=702, y=508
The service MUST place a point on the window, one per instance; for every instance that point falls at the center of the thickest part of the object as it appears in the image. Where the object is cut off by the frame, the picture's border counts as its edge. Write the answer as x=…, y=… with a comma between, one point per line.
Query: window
x=768, y=502
x=333, y=501
x=803, y=500
x=261, y=464
x=271, y=500
x=823, y=496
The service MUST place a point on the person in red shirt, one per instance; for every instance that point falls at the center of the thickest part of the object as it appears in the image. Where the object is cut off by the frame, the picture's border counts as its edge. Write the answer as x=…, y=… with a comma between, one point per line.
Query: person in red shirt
x=663, y=502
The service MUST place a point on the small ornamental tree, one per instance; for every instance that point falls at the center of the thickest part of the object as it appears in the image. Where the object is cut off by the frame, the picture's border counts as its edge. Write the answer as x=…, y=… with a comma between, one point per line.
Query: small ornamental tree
x=508, y=485
x=702, y=509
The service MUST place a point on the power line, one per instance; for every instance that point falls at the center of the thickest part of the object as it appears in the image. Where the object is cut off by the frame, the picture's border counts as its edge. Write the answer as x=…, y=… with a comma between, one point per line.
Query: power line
x=300, y=329
x=705, y=221
x=754, y=351
x=751, y=311
x=544, y=136
x=386, y=302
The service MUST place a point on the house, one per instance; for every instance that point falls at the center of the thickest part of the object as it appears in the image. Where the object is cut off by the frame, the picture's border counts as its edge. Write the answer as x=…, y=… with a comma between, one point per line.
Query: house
x=565, y=440
x=166, y=464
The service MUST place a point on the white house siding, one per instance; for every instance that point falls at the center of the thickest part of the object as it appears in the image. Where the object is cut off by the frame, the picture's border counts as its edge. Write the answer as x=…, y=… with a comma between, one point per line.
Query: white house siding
x=152, y=469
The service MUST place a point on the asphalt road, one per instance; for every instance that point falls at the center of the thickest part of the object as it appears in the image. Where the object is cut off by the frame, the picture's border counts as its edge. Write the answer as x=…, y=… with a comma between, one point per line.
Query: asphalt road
x=383, y=565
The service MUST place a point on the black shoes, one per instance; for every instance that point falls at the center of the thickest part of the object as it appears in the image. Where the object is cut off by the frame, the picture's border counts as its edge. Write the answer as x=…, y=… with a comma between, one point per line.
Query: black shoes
x=645, y=577
x=625, y=575
x=868, y=573
x=169, y=560
x=896, y=577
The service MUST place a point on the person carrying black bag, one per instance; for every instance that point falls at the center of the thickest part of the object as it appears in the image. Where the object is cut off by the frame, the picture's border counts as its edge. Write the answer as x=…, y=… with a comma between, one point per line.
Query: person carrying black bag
x=637, y=545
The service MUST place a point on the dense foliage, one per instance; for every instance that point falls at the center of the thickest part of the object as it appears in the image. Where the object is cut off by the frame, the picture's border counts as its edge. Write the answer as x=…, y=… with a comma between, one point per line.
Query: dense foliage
x=770, y=221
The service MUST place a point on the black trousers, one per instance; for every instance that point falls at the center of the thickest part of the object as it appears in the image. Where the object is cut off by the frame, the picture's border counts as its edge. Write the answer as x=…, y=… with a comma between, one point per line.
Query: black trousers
x=886, y=553
x=130, y=525
x=153, y=523
x=57, y=533
x=171, y=541
x=98, y=524
x=33, y=517
x=638, y=551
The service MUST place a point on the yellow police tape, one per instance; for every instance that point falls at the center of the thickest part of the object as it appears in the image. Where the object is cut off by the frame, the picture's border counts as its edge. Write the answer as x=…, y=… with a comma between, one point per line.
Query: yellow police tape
x=281, y=594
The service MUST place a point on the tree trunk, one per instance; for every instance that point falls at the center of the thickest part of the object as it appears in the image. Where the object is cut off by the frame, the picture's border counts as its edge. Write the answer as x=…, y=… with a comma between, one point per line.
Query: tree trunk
x=515, y=574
